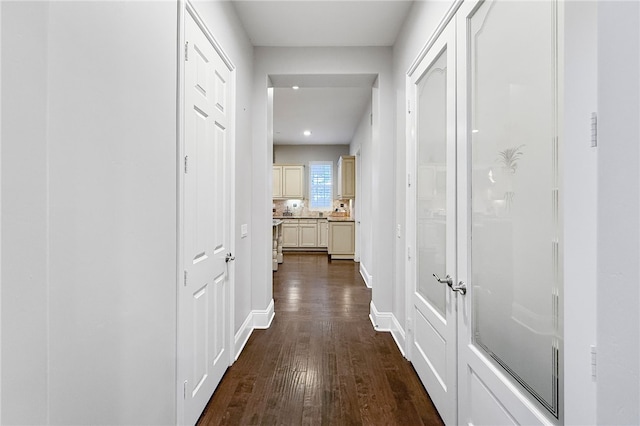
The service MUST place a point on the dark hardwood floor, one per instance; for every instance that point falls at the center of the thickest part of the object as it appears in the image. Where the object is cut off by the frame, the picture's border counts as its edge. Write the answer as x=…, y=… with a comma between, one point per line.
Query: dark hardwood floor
x=321, y=361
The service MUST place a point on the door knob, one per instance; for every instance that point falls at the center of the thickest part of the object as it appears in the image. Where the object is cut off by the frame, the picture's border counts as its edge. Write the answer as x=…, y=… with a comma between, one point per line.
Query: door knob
x=229, y=258
x=461, y=288
x=447, y=280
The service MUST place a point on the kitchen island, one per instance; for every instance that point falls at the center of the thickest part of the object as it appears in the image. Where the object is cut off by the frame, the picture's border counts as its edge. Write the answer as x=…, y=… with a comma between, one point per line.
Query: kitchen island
x=277, y=257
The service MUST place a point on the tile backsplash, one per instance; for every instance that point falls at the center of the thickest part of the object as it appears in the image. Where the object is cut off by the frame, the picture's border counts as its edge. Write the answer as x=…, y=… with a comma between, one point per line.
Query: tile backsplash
x=301, y=208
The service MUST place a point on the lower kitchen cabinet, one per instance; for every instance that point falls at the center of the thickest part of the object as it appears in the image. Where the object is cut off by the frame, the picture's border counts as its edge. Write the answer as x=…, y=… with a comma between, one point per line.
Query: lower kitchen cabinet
x=342, y=237
x=308, y=233
x=290, y=233
x=315, y=234
x=323, y=233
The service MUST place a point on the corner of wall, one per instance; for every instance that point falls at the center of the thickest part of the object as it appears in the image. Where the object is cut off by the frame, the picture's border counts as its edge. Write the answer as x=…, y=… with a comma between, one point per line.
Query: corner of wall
x=386, y=321
x=366, y=276
x=257, y=319
x=242, y=335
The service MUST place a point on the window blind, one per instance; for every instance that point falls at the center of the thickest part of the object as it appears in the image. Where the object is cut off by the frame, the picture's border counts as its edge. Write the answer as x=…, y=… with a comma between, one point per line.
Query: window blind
x=320, y=185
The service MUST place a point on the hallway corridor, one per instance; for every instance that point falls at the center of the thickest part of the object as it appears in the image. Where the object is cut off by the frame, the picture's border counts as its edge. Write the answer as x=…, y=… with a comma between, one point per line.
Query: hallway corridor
x=320, y=362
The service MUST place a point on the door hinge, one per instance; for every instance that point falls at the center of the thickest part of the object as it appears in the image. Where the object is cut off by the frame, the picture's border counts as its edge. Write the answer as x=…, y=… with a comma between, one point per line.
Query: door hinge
x=185, y=278
x=408, y=252
x=184, y=390
x=594, y=129
x=594, y=353
x=186, y=160
x=371, y=118
x=409, y=180
x=186, y=51
x=409, y=106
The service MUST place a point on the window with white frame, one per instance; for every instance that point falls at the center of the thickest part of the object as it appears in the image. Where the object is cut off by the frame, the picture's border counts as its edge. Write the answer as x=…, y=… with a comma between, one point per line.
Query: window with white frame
x=320, y=185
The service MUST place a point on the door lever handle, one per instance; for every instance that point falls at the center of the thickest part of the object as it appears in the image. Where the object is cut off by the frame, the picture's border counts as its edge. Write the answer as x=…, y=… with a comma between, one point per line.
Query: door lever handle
x=229, y=258
x=461, y=288
x=447, y=280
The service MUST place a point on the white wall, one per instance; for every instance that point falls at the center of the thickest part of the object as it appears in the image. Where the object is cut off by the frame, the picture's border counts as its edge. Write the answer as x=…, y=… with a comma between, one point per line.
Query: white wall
x=362, y=141
x=579, y=182
x=91, y=280
x=303, y=154
x=618, y=296
x=223, y=22
x=89, y=196
x=369, y=60
x=112, y=212
x=0, y=213
x=24, y=213
x=421, y=22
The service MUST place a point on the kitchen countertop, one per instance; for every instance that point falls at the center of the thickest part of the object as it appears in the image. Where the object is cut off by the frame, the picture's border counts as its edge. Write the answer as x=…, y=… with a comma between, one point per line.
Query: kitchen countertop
x=300, y=217
x=329, y=218
x=341, y=219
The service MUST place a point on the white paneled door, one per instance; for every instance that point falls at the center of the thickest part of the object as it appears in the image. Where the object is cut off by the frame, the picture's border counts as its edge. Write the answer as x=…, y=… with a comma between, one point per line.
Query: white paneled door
x=485, y=207
x=203, y=317
x=432, y=223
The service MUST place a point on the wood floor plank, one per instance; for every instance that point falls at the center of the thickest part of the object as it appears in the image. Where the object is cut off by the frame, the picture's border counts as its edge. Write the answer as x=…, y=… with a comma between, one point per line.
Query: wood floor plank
x=321, y=362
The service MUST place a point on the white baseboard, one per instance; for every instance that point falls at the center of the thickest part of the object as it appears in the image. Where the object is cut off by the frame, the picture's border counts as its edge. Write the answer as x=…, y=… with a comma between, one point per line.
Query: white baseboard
x=398, y=335
x=242, y=336
x=257, y=319
x=381, y=320
x=263, y=318
x=386, y=321
x=366, y=276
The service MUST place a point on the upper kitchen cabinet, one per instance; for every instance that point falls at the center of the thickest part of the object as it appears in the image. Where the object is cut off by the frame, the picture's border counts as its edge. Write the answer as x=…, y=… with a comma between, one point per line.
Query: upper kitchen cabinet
x=346, y=177
x=277, y=181
x=288, y=181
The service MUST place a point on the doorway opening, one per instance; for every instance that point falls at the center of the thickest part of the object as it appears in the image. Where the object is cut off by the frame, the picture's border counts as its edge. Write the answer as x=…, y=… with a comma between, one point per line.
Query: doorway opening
x=324, y=119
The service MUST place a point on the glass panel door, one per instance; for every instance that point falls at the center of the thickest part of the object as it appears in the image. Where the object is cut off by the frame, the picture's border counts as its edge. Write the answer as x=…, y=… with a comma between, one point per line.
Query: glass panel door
x=515, y=233
x=431, y=223
x=431, y=182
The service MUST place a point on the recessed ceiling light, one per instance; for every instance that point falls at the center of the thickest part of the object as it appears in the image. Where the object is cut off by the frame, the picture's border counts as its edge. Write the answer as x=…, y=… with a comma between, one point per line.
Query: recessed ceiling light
x=307, y=132
x=295, y=87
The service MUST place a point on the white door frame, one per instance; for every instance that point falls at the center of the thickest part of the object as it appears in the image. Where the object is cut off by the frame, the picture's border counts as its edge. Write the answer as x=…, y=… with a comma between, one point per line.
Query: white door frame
x=356, y=255
x=449, y=16
x=440, y=381
x=185, y=8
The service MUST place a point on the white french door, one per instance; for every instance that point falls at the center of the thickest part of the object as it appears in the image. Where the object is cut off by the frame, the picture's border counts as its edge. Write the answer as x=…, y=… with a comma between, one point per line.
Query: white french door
x=204, y=293
x=431, y=219
x=505, y=244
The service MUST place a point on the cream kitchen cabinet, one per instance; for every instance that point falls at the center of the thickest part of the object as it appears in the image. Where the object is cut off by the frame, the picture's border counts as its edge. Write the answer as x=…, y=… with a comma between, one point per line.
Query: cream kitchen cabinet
x=346, y=177
x=304, y=233
x=323, y=233
x=290, y=233
x=277, y=181
x=288, y=181
x=342, y=239
x=308, y=233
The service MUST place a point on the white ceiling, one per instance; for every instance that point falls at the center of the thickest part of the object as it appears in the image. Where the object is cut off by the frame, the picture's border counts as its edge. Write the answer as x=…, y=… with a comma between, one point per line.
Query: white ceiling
x=322, y=23
x=331, y=114
x=331, y=106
